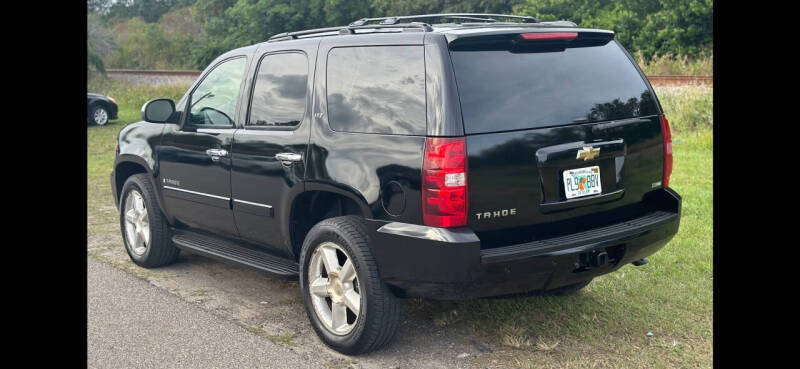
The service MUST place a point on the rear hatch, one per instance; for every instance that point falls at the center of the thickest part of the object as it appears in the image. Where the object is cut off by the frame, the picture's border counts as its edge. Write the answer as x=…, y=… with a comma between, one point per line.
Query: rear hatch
x=563, y=133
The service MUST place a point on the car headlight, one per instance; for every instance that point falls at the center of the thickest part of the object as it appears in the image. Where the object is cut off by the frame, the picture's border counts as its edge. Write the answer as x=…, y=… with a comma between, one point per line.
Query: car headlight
x=112, y=99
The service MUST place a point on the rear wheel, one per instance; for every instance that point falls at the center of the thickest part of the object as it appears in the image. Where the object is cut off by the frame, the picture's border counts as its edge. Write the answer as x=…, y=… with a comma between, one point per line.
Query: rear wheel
x=349, y=307
x=145, y=231
x=99, y=115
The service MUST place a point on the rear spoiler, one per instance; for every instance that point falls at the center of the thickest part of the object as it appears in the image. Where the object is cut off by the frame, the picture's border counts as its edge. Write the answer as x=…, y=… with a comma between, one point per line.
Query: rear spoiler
x=516, y=38
x=487, y=31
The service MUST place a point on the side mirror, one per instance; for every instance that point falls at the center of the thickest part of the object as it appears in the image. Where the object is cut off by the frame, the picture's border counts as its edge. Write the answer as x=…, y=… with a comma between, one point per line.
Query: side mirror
x=158, y=110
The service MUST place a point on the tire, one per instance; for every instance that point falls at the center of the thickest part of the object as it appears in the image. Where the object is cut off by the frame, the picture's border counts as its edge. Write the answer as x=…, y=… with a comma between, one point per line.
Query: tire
x=153, y=247
x=568, y=289
x=380, y=312
x=99, y=115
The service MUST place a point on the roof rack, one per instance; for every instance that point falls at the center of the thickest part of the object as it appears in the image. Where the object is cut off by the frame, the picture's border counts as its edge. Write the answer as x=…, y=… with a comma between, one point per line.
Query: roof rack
x=294, y=35
x=486, y=17
x=393, y=22
x=422, y=27
x=563, y=23
x=348, y=30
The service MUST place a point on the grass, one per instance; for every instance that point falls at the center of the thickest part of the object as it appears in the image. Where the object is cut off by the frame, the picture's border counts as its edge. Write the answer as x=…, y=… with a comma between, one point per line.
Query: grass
x=133, y=269
x=286, y=339
x=674, y=65
x=130, y=98
x=687, y=108
x=606, y=324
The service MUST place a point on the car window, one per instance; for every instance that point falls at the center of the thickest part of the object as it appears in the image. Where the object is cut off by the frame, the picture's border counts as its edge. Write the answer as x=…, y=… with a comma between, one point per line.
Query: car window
x=505, y=90
x=213, y=102
x=377, y=89
x=279, y=94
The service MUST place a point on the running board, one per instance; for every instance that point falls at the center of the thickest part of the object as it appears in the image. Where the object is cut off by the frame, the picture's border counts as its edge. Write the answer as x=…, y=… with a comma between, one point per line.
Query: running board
x=229, y=251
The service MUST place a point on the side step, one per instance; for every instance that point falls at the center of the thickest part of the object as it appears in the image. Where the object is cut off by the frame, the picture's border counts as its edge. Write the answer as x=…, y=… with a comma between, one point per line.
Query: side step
x=238, y=253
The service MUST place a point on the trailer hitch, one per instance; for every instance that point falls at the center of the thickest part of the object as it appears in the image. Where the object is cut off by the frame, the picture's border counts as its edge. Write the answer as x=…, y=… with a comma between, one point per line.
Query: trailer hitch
x=598, y=258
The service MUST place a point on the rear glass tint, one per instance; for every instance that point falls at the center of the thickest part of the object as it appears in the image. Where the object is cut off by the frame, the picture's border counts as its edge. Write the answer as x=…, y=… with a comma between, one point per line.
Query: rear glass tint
x=377, y=89
x=501, y=90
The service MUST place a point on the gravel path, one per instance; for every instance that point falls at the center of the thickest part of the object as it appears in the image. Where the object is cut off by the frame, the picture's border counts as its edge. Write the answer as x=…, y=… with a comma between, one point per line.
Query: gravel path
x=132, y=323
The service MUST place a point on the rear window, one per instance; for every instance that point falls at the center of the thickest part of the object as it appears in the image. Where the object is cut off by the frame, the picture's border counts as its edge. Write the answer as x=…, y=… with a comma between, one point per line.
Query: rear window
x=377, y=89
x=501, y=90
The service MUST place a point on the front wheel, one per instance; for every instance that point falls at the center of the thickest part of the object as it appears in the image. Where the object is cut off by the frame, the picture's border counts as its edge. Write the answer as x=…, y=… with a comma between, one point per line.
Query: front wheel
x=349, y=307
x=99, y=115
x=145, y=231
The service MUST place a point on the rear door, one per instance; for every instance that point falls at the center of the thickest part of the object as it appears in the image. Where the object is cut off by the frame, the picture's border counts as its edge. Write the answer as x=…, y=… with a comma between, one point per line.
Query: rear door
x=269, y=153
x=194, y=159
x=556, y=130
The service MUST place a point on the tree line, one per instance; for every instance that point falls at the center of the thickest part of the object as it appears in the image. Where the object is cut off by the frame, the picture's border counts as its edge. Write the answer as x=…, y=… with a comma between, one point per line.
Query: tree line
x=188, y=34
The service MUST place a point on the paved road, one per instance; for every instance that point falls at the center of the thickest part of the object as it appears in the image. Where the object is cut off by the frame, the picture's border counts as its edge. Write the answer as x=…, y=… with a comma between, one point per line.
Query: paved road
x=132, y=323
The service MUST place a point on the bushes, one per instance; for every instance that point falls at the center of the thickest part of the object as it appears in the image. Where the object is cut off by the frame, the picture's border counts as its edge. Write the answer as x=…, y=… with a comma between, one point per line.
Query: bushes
x=165, y=45
x=688, y=108
x=675, y=65
x=99, y=43
x=651, y=27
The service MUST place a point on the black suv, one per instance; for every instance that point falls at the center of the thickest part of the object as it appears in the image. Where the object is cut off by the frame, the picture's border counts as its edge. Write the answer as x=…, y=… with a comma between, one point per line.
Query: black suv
x=483, y=156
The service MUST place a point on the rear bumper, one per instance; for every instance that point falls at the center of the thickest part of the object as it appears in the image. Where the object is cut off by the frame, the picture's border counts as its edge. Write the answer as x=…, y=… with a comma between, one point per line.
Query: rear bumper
x=450, y=264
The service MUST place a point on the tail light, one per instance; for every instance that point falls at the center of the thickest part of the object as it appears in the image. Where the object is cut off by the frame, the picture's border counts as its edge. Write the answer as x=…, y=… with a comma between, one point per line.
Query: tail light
x=549, y=36
x=667, y=150
x=444, y=182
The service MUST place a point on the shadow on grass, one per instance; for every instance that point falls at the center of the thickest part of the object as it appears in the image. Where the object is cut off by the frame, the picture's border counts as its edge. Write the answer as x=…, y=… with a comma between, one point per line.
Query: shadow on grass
x=585, y=314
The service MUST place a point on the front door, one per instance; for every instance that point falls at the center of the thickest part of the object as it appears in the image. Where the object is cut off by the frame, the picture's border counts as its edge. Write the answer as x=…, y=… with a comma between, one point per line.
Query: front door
x=194, y=158
x=269, y=152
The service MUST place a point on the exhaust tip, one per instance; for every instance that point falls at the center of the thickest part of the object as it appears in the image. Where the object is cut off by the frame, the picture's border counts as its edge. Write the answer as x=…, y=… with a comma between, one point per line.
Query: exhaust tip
x=640, y=262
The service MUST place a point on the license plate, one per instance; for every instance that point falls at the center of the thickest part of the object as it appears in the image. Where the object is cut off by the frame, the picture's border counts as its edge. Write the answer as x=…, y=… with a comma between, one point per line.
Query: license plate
x=582, y=182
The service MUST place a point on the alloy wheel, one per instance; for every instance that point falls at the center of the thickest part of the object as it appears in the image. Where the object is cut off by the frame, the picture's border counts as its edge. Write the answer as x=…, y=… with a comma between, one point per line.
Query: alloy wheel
x=100, y=116
x=334, y=289
x=137, y=223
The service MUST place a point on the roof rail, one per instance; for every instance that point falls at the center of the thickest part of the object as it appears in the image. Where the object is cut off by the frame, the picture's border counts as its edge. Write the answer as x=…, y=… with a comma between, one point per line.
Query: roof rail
x=423, y=27
x=348, y=30
x=564, y=23
x=394, y=22
x=294, y=35
x=485, y=17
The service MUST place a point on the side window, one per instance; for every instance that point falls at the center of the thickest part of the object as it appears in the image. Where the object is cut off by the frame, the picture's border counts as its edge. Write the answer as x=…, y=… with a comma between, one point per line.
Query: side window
x=377, y=89
x=213, y=102
x=279, y=93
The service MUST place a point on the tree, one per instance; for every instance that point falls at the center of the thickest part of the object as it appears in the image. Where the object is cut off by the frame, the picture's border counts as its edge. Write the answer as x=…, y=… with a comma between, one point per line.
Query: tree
x=680, y=27
x=191, y=33
x=150, y=10
x=385, y=8
x=99, y=42
x=651, y=27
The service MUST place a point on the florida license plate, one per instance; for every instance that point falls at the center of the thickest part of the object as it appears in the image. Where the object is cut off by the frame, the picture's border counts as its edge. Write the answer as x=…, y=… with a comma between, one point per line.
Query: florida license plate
x=582, y=182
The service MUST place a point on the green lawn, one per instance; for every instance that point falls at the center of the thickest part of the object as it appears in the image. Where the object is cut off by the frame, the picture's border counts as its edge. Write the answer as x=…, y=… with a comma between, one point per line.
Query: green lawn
x=604, y=325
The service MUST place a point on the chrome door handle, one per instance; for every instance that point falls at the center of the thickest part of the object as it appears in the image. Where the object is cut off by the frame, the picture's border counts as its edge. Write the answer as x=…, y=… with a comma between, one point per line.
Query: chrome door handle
x=215, y=154
x=288, y=157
